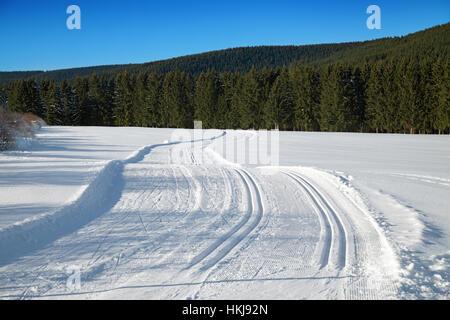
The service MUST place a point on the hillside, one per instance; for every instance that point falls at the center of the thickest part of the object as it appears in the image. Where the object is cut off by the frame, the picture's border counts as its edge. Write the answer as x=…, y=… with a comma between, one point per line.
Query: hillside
x=394, y=85
x=429, y=42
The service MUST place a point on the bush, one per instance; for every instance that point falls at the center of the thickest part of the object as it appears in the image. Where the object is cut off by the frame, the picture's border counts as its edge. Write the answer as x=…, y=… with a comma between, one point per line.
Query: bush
x=14, y=125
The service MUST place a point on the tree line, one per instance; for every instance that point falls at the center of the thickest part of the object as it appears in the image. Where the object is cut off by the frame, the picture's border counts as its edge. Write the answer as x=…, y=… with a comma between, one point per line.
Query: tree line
x=430, y=42
x=393, y=95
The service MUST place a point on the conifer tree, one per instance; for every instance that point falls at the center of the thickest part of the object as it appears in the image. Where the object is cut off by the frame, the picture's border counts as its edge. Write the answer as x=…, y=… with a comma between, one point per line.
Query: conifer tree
x=18, y=97
x=306, y=95
x=331, y=100
x=81, y=96
x=279, y=106
x=390, y=112
x=152, y=100
x=408, y=85
x=67, y=103
x=206, y=97
x=123, y=111
x=4, y=96
x=54, y=114
x=227, y=112
x=140, y=116
x=251, y=102
x=33, y=98
x=177, y=110
x=441, y=95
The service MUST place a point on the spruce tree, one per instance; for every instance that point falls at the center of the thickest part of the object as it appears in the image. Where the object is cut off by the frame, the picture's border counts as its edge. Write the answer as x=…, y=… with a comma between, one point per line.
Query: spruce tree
x=123, y=112
x=152, y=100
x=176, y=107
x=67, y=103
x=140, y=116
x=227, y=113
x=280, y=104
x=55, y=112
x=251, y=104
x=18, y=97
x=306, y=95
x=441, y=95
x=81, y=96
x=34, y=102
x=206, y=97
x=408, y=84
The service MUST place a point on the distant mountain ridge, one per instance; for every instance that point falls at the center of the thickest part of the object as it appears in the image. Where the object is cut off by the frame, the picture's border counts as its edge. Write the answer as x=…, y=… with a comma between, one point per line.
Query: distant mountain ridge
x=431, y=42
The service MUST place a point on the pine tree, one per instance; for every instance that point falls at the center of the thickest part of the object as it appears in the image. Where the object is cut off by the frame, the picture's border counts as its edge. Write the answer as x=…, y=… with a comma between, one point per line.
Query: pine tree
x=52, y=99
x=110, y=86
x=206, y=97
x=375, y=97
x=280, y=104
x=140, y=115
x=227, y=113
x=408, y=84
x=34, y=102
x=390, y=112
x=251, y=102
x=176, y=100
x=123, y=111
x=152, y=100
x=18, y=97
x=81, y=96
x=339, y=100
x=106, y=107
x=186, y=103
x=359, y=95
x=67, y=103
x=441, y=95
x=234, y=116
x=306, y=95
x=330, y=101
x=4, y=92
x=97, y=108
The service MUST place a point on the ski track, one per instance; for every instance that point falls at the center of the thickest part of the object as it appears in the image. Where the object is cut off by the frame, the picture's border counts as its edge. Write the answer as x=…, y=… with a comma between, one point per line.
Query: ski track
x=347, y=251
x=324, y=245
x=232, y=238
x=334, y=236
x=95, y=200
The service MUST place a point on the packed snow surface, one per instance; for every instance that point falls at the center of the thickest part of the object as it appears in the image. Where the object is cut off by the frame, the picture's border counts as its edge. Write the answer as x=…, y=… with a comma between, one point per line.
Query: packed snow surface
x=142, y=213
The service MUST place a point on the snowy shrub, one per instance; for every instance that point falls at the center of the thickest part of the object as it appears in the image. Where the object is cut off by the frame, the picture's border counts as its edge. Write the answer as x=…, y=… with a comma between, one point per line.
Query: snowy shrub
x=16, y=127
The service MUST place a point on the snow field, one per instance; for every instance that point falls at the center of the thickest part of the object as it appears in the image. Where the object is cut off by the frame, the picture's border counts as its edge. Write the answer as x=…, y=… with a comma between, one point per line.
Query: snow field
x=149, y=227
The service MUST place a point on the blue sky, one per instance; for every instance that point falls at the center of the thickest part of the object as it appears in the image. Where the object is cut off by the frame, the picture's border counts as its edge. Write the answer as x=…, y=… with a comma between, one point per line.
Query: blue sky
x=34, y=35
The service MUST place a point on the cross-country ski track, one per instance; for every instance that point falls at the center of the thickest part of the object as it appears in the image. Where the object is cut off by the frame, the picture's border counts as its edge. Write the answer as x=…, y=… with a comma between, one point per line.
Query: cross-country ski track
x=202, y=228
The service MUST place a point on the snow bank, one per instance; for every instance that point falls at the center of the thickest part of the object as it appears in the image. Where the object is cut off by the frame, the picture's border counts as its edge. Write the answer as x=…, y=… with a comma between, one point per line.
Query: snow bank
x=96, y=199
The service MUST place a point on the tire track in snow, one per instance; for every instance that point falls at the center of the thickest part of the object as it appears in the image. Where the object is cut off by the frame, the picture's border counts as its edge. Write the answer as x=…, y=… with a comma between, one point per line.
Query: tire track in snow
x=333, y=241
x=233, y=237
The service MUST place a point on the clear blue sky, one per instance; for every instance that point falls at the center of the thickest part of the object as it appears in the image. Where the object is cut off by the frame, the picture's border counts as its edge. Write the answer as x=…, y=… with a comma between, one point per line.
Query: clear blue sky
x=34, y=35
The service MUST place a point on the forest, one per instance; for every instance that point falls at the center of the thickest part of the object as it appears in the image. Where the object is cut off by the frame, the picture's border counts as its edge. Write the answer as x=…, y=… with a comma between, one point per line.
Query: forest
x=392, y=85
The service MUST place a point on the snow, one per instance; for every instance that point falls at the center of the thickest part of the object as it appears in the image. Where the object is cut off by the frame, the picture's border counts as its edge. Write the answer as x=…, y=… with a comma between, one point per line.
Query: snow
x=147, y=213
x=59, y=164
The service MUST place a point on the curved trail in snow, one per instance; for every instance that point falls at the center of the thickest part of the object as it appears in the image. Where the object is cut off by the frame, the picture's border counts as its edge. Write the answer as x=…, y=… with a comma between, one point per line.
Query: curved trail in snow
x=235, y=235
x=96, y=199
x=358, y=246
x=334, y=237
x=205, y=228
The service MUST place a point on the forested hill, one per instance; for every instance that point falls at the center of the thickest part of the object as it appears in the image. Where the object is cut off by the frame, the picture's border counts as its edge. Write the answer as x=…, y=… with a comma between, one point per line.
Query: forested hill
x=395, y=85
x=429, y=42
